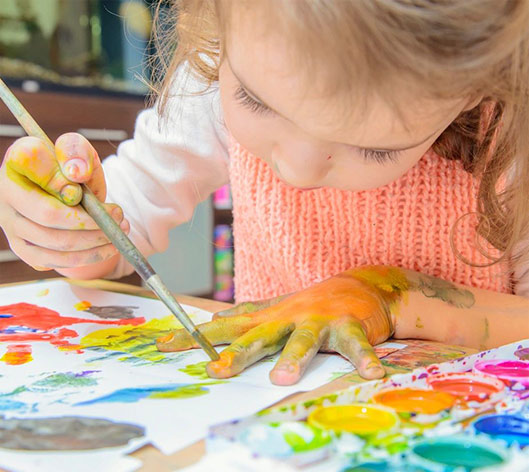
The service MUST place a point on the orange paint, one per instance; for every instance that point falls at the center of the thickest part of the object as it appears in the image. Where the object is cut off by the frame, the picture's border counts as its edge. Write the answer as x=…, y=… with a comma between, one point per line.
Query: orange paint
x=17, y=354
x=222, y=368
x=165, y=339
x=415, y=401
x=82, y=305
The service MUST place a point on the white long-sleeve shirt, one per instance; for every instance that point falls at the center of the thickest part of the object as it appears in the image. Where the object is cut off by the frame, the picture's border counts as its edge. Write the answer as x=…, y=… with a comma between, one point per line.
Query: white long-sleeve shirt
x=172, y=164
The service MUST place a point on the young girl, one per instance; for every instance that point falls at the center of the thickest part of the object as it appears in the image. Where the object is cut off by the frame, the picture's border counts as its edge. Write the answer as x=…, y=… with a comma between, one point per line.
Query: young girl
x=377, y=153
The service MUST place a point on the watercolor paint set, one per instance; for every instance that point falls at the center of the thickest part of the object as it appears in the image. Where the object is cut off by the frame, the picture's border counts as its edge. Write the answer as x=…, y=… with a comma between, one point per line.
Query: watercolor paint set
x=470, y=414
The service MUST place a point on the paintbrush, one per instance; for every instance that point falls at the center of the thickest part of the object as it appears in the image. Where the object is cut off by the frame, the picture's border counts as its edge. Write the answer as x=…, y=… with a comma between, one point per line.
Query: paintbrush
x=112, y=230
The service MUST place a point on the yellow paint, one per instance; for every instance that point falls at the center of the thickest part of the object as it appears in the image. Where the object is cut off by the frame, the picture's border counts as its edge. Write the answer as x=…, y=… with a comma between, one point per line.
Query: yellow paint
x=43, y=293
x=409, y=400
x=358, y=418
x=135, y=341
x=82, y=305
x=418, y=323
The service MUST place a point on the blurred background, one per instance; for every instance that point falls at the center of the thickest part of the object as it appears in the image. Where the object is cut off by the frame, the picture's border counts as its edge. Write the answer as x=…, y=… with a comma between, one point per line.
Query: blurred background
x=83, y=65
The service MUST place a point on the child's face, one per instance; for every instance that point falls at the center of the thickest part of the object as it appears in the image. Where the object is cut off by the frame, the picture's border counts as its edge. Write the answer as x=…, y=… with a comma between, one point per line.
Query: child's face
x=304, y=133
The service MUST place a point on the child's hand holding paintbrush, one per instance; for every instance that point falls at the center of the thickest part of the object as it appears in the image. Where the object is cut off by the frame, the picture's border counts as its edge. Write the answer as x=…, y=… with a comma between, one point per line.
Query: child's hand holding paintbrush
x=36, y=174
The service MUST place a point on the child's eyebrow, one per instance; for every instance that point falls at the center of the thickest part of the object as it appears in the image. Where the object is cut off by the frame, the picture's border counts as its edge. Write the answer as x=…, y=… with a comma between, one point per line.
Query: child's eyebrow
x=255, y=97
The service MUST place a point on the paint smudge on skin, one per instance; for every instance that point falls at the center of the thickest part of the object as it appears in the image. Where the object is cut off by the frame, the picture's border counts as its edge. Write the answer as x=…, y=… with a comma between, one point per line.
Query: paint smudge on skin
x=107, y=312
x=196, y=370
x=137, y=343
x=418, y=323
x=65, y=433
x=17, y=354
x=169, y=391
x=26, y=322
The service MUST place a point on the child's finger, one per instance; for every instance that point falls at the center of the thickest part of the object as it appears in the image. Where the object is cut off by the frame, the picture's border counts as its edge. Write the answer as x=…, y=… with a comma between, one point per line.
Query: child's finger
x=303, y=344
x=41, y=257
x=32, y=158
x=80, y=162
x=57, y=239
x=221, y=331
x=259, y=342
x=34, y=203
x=247, y=308
x=350, y=341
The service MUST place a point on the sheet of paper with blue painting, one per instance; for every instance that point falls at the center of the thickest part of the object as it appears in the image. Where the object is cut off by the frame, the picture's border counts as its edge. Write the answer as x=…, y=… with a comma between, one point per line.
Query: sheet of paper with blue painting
x=85, y=353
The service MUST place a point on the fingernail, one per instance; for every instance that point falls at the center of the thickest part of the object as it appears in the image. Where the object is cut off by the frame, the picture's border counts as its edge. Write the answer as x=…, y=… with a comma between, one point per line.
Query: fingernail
x=166, y=339
x=124, y=226
x=75, y=168
x=117, y=214
x=70, y=194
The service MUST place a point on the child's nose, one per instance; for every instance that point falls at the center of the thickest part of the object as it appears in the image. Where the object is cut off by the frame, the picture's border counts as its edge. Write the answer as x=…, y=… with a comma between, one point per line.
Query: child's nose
x=301, y=164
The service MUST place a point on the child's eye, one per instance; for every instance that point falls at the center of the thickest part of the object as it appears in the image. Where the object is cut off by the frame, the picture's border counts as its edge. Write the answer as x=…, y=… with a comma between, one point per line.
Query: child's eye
x=245, y=100
x=380, y=157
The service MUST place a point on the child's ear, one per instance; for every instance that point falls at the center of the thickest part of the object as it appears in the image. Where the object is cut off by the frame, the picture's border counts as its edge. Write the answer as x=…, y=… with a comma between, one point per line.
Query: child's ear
x=473, y=102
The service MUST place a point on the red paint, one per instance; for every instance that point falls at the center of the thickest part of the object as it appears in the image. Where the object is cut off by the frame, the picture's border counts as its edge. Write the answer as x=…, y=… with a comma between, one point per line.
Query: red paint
x=38, y=323
x=509, y=371
x=17, y=354
x=467, y=386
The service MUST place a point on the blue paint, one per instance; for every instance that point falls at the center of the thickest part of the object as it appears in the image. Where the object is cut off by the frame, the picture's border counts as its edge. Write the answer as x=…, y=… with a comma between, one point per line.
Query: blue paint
x=6, y=316
x=131, y=395
x=510, y=428
x=7, y=405
x=384, y=467
x=461, y=453
x=19, y=329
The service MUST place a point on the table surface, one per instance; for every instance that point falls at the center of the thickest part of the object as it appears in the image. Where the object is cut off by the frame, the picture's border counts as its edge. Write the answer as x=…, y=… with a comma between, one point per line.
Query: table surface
x=416, y=354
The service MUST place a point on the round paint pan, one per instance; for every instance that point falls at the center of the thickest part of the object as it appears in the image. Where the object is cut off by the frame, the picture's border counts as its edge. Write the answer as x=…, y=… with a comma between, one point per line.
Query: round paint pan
x=468, y=387
x=509, y=428
x=510, y=371
x=362, y=419
x=294, y=441
x=415, y=405
x=385, y=467
x=461, y=453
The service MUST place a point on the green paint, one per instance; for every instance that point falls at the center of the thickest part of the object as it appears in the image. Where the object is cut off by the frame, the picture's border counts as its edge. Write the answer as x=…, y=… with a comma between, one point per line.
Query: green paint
x=299, y=444
x=444, y=290
x=458, y=453
x=188, y=391
x=196, y=370
x=61, y=380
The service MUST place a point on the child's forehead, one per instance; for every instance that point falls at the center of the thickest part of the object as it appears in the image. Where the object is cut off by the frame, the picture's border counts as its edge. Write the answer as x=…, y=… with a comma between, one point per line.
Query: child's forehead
x=266, y=66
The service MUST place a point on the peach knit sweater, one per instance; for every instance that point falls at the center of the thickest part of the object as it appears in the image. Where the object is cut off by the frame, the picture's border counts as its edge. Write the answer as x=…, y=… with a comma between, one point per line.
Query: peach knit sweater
x=287, y=239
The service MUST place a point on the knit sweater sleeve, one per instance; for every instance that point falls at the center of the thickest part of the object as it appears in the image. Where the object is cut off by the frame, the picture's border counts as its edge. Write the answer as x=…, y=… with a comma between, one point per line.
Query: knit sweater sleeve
x=170, y=165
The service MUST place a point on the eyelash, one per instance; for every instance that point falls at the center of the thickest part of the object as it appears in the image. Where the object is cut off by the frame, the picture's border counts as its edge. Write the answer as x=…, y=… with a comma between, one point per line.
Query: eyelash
x=380, y=157
x=245, y=100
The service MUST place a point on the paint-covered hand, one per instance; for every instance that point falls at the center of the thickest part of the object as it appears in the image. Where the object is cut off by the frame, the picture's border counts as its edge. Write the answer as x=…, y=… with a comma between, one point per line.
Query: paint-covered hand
x=39, y=211
x=348, y=314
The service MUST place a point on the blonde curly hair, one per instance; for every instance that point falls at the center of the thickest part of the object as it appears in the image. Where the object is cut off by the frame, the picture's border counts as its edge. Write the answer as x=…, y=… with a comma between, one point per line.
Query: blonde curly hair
x=452, y=48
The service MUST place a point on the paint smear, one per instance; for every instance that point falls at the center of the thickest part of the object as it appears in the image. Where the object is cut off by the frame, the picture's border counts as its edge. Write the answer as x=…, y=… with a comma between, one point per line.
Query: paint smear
x=415, y=401
x=357, y=418
x=522, y=354
x=24, y=322
x=467, y=386
x=82, y=305
x=169, y=391
x=197, y=370
x=17, y=354
x=62, y=380
x=67, y=433
x=43, y=293
x=138, y=343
